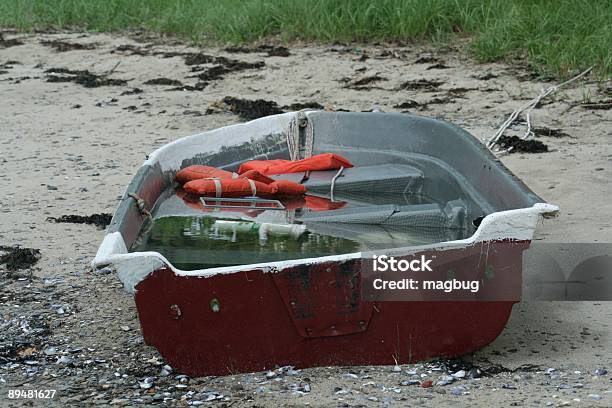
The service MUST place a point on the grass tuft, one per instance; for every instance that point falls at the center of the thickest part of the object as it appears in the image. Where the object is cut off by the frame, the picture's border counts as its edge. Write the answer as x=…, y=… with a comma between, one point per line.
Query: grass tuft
x=558, y=37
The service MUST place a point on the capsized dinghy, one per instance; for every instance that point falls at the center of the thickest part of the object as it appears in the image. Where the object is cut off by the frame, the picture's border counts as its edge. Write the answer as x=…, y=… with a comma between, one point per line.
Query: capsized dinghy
x=226, y=285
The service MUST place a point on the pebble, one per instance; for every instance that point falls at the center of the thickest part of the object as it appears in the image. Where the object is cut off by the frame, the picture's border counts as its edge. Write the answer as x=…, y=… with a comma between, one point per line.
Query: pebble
x=340, y=391
x=475, y=373
x=459, y=390
x=447, y=379
x=350, y=375
x=146, y=383
x=301, y=388
x=601, y=371
x=165, y=371
x=426, y=384
x=212, y=396
x=125, y=328
x=64, y=360
x=397, y=369
x=595, y=397
x=459, y=374
x=410, y=382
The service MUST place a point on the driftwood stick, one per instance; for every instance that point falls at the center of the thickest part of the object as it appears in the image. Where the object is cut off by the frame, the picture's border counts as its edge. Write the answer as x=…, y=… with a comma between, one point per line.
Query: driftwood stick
x=528, y=107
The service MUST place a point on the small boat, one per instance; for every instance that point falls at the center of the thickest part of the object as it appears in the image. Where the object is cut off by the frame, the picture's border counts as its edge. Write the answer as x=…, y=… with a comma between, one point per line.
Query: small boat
x=230, y=285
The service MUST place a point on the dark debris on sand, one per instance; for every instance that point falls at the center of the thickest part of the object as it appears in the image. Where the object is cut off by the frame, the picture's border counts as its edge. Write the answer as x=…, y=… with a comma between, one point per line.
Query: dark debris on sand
x=99, y=220
x=199, y=86
x=367, y=80
x=601, y=105
x=164, y=81
x=252, y=109
x=15, y=258
x=439, y=65
x=271, y=50
x=520, y=145
x=4, y=43
x=198, y=60
x=303, y=105
x=63, y=46
x=131, y=50
x=421, y=85
x=133, y=91
x=9, y=64
x=218, y=71
x=549, y=132
x=81, y=77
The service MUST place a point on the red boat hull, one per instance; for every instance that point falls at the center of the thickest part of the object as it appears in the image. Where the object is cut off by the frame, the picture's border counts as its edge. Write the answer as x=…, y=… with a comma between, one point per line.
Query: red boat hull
x=314, y=315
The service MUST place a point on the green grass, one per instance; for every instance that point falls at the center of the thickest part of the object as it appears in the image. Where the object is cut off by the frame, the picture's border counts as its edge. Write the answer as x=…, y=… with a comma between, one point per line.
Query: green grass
x=558, y=37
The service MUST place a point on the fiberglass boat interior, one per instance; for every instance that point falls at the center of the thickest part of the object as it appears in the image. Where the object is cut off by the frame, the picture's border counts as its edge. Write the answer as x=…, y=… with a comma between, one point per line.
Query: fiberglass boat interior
x=415, y=181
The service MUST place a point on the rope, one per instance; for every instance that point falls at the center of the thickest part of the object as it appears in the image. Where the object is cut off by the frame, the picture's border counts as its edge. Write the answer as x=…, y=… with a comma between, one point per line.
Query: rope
x=253, y=187
x=300, y=121
x=528, y=107
x=333, y=183
x=141, y=206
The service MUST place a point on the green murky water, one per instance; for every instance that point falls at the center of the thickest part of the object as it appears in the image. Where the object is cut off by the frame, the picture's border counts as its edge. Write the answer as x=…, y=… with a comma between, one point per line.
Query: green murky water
x=191, y=243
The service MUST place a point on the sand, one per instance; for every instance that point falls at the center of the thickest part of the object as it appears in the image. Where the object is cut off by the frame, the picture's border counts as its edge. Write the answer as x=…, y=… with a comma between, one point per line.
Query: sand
x=70, y=149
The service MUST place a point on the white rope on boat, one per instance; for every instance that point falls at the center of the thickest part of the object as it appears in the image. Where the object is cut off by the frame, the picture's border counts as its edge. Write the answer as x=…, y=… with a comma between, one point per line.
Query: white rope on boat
x=300, y=120
x=528, y=132
x=528, y=107
x=333, y=183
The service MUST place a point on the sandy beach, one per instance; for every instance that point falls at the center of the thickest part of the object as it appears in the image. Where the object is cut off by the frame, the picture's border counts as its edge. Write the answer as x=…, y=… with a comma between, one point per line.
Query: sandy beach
x=70, y=141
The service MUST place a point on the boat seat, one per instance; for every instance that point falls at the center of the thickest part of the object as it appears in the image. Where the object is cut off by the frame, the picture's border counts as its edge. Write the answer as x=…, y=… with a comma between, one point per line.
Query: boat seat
x=452, y=215
x=385, y=178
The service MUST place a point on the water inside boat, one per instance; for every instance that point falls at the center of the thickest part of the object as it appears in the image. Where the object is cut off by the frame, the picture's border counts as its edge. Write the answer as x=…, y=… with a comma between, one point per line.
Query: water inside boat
x=391, y=212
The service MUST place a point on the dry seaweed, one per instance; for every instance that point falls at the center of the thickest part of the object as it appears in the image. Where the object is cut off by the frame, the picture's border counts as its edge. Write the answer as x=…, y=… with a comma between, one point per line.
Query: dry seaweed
x=252, y=109
x=133, y=91
x=549, y=132
x=99, y=220
x=439, y=65
x=271, y=50
x=164, y=81
x=407, y=105
x=426, y=59
x=4, y=43
x=520, y=145
x=601, y=105
x=303, y=105
x=16, y=258
x=421, y=85
x=81, y=77
x=131, y=50
x=218, y=71
x=199, y=86
x=63, y=46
